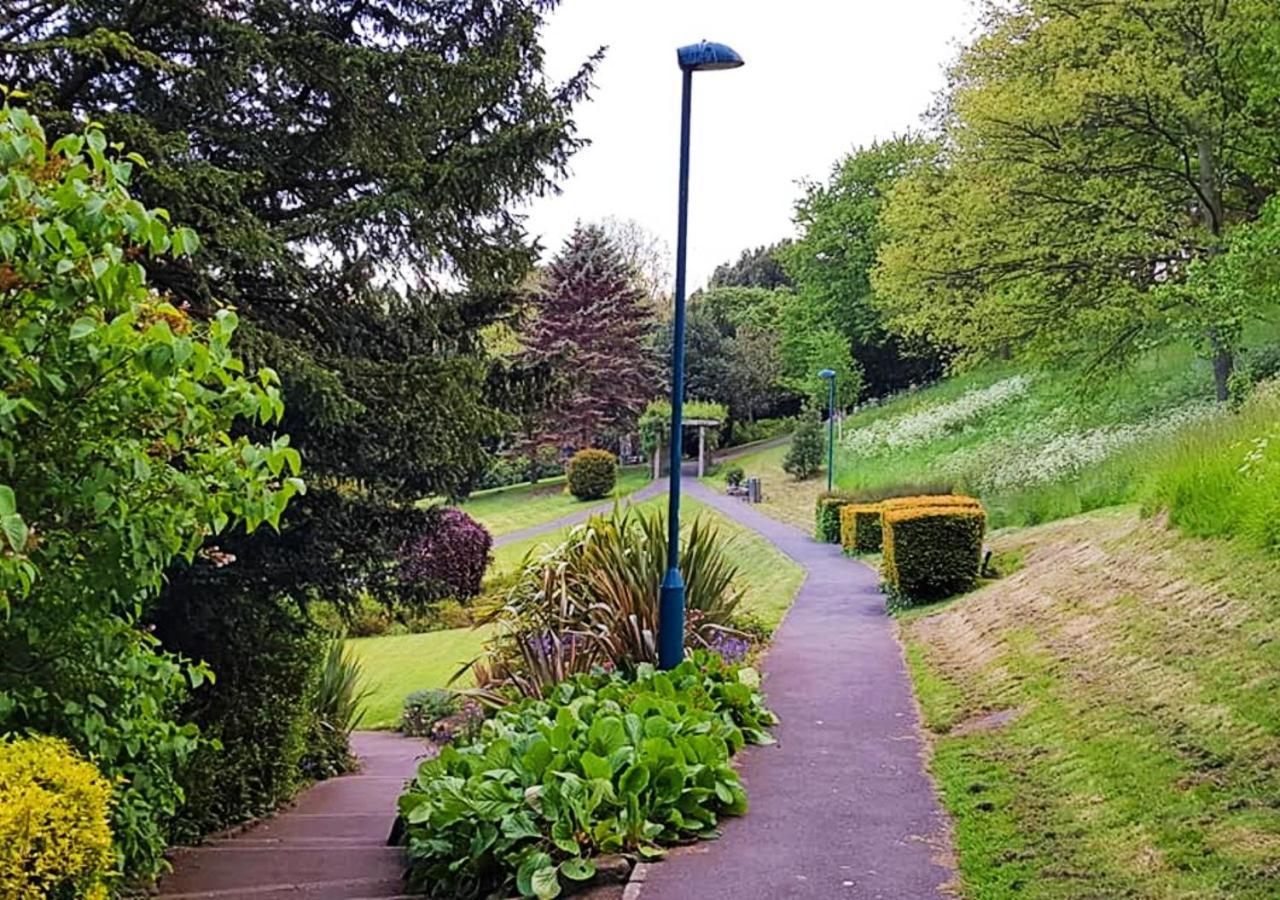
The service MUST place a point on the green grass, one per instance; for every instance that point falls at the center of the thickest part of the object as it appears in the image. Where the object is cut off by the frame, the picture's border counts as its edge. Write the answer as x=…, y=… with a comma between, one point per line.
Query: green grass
x=397, y=665
x=785, y=498
x=504, y=510
x=1137, y=669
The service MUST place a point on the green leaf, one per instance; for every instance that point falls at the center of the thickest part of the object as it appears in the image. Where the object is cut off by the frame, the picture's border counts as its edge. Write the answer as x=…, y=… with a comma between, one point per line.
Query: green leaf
x=578, y=869
x=595, y=766
x=82, y=328
x=546, y=883
x=634, y=780
x=533, y=862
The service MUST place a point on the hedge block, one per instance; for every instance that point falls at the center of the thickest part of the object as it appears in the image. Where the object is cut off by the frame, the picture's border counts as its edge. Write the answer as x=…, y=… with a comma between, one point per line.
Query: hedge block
x=827, y=516
x=932, y=552
x=860, y=530
x=592, y=474
x=932, y=501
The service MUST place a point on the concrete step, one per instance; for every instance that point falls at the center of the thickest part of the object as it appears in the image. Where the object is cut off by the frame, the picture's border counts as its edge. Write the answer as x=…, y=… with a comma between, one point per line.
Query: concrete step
x=353, y=794
x=341, y=889
x=293, y=825
x=235, y=868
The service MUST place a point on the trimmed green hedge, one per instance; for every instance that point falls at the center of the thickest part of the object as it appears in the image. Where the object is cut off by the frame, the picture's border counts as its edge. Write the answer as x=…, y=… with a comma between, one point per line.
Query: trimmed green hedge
x=592, y=474
x=932, y=552
x=826, y=525
x=860, y=530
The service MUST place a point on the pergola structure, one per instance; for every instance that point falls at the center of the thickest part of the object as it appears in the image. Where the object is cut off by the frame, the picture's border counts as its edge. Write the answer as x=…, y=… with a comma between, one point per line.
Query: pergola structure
x=702, y=425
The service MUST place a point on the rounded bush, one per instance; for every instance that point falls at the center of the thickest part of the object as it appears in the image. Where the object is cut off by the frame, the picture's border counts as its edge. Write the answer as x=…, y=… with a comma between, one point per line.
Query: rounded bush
x=734, y=476
x=54, y=836
x=592, y=474
x=451, y=558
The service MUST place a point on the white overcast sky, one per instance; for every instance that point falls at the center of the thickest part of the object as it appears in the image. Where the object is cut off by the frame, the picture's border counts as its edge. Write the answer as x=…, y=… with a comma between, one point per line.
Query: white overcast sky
x=821, y=77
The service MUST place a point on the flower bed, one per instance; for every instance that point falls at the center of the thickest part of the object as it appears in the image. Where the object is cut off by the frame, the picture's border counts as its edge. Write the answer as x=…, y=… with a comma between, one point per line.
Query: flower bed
x=603, y=764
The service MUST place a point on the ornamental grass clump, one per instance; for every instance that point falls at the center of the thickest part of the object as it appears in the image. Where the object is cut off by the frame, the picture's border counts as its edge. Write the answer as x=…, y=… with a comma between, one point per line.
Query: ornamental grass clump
x=54, y=837
x=932, y=552
x=592, y=474
x=860, y=529
x=593, y=602
x=605, y=763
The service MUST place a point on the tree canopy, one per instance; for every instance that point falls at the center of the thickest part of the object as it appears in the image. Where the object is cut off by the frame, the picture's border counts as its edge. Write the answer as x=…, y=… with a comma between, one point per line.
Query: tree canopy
x=1092, y=156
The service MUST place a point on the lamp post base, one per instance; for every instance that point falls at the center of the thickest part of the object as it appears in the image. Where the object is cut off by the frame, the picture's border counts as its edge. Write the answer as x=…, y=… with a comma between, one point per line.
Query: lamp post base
x=671, y=621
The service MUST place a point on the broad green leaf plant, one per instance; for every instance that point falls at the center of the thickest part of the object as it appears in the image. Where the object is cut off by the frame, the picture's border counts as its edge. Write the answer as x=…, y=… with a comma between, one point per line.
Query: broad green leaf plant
x=119, y=453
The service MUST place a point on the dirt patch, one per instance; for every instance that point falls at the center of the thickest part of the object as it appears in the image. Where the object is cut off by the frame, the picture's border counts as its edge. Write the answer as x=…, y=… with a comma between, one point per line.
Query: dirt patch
x=991, y=721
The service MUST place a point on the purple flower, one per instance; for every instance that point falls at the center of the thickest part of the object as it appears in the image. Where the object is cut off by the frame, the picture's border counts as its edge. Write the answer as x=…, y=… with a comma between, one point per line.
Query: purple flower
x=731, y=648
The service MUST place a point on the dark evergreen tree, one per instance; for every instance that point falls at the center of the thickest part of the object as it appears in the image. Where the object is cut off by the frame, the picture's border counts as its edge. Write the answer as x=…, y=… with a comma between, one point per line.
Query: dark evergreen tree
x=325, y=150
x=592, y=329
x=759, y=267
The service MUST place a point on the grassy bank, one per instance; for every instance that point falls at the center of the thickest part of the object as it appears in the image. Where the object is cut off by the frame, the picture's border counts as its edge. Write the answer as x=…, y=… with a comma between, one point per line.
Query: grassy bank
x=1104, y=720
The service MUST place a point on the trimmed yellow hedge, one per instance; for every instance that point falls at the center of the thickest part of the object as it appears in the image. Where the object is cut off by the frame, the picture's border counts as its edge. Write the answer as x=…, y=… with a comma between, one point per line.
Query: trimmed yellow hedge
x=860, y=527
x=54, y=836
x=932, y=501
x=932, y=552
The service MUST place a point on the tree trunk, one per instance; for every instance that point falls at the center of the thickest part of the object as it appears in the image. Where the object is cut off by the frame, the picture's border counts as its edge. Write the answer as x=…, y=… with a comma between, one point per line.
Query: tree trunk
x=1223, y=363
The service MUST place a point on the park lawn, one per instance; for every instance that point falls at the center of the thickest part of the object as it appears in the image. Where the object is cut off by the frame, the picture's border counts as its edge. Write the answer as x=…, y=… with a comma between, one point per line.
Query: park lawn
x=396, y=665
x=770, y=578
x=504, y=510
x=1103, y=720
x=785, y=498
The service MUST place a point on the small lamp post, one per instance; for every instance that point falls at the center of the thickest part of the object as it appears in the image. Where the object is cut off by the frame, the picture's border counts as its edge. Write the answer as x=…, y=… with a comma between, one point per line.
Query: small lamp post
x=829, y=376
x=703, y=57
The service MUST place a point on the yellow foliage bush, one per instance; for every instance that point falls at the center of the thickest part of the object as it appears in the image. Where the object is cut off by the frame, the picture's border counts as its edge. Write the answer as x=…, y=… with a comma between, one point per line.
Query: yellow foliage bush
x=931, y=552
x=932, y=501
x=54, y=838
x=860, y=530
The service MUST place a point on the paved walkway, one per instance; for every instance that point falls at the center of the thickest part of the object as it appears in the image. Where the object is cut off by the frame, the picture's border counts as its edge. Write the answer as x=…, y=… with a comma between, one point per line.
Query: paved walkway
x=652, y=489
x=841, y=807
x=330, y=845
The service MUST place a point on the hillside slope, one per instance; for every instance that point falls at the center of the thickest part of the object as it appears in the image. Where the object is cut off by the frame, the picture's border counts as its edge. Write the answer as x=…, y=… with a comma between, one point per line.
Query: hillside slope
x=1104, y=719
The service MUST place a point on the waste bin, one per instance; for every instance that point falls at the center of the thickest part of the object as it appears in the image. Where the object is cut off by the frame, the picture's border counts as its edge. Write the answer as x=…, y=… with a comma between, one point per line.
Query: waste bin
x=753, y=489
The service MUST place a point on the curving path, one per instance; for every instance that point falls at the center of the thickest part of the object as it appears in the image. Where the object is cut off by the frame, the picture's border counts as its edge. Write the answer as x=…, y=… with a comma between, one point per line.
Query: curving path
x=841, y=806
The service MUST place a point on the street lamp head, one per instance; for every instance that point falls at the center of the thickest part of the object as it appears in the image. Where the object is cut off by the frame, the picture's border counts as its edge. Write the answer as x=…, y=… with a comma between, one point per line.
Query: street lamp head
x=706, y=57
x=827, y=374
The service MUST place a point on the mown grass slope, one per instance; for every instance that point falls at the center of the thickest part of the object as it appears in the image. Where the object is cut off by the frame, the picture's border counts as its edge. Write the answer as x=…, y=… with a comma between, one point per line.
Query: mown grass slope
x=1104, y=720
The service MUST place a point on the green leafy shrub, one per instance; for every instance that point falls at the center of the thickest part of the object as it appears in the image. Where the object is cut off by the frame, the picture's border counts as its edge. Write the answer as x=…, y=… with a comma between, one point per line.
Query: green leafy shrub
x=335, y=713
x=860, y=528
x=123, y=441
x=805, y=456
x=54, y=838
x=267, y=656
x=423, y=709
x=1257, y=366
x=592, y=474
x=734, y=475
x=593, y=601
x=603, y=764
x=932, y=552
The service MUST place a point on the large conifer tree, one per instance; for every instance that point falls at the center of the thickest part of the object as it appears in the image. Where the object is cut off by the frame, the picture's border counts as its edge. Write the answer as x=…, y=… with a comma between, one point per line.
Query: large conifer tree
x=591, y=329
x=327, y=152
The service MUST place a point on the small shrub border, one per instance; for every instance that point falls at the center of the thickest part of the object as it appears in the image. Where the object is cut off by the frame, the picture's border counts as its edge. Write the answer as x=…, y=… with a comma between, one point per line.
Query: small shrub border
x=931, y=552
x=604, y=764
x=592, y=474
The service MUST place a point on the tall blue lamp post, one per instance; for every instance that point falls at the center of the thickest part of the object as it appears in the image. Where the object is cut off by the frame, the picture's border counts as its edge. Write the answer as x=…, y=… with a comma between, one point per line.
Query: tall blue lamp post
x=704, y=57
x=829, y=376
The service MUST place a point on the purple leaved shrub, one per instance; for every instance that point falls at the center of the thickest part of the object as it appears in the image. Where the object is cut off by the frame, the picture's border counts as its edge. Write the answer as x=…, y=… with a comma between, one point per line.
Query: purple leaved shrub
x=451, y=558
